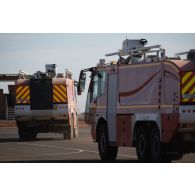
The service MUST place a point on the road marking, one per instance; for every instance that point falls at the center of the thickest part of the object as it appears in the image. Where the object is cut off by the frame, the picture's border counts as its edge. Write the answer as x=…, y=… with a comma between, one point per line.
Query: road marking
x=5, y=143
x=44, y=154
x=124, y=155
x=48, y=146
x=77, y=149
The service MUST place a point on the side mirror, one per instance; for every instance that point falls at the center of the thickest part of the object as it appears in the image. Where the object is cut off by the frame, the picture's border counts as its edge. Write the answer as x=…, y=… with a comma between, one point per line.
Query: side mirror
x=81, y=84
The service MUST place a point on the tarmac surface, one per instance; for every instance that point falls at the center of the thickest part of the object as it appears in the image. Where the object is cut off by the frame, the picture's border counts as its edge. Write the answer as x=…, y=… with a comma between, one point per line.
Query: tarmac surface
x=52, y=147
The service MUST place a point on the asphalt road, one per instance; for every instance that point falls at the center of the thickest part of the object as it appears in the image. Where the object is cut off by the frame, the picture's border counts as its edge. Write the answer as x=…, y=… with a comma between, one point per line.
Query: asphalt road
x=53, y=148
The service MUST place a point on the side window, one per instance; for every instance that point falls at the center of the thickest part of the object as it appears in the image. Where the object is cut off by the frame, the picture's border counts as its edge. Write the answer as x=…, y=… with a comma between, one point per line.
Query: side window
x=95, y=87
x=101, y=82
x=87, y=103
x=89, y=97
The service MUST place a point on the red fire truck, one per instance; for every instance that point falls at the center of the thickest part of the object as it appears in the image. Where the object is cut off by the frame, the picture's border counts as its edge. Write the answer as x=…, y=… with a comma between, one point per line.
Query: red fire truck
x=46, y=102
x=145, y=100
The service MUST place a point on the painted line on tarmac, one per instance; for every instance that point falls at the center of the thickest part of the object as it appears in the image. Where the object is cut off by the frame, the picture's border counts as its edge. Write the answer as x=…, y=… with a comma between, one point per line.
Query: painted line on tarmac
x=121, y=155
x=78, y=149
x=4, y=143
x=124, y=155
x=45, y=154
x=46, y=146
x=57, y=147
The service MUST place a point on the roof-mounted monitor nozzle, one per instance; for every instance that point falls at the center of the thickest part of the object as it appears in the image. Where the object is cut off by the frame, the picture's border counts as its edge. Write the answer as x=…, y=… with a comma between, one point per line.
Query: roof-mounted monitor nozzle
x=68, y=74
x=190, y=54
x=23, y=74
x=102, y=62
x=136, y=52
x=130, y=44
x=51, y=70
x=135, y=47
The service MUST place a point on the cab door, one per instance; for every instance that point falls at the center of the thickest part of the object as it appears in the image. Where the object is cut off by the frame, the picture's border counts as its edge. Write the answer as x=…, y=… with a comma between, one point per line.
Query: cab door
x=111, y=106
x=91, y=104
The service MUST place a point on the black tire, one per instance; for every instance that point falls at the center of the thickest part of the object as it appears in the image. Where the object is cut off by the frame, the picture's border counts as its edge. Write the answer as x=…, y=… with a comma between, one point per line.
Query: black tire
x=26, y=134
x=143, y=145
x=22, y=135
x=32, y=135
x=64, y=135
x=157, y=150
x=106, y=152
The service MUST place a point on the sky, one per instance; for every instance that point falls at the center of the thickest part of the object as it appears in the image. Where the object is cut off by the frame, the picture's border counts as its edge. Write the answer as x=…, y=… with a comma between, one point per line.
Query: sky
x=76, y=51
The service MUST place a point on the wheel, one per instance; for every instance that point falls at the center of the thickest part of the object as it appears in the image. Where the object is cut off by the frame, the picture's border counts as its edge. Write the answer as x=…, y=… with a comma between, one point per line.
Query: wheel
x=64, y=135
x=21, y=134
x=106, y=152
x=32, y=135
x=26, y=134
x=157, y=151
x=143, y=146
